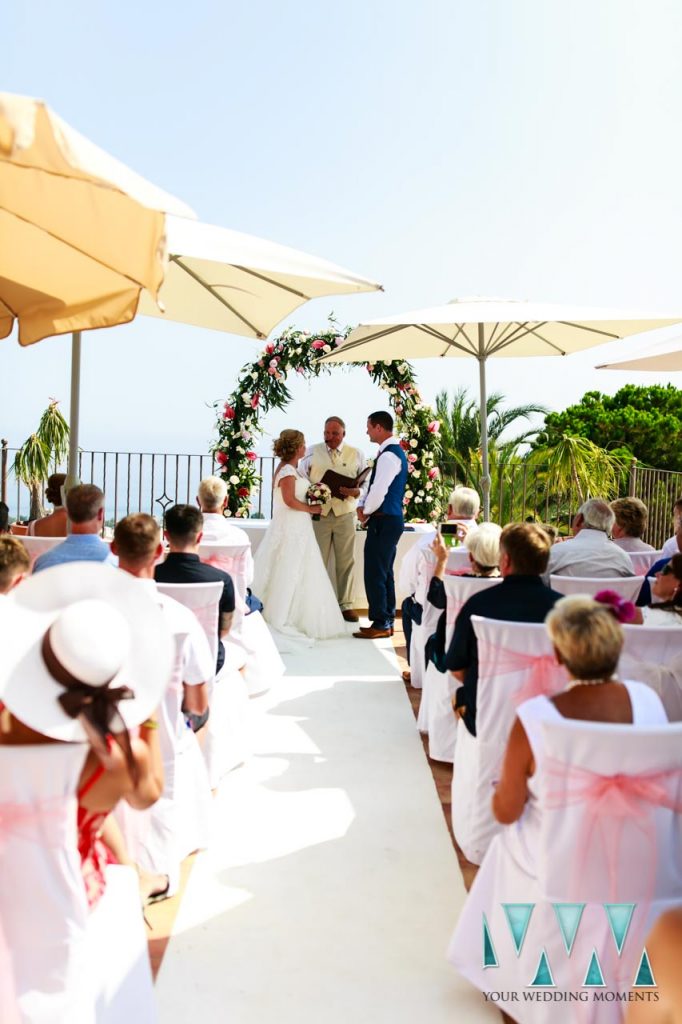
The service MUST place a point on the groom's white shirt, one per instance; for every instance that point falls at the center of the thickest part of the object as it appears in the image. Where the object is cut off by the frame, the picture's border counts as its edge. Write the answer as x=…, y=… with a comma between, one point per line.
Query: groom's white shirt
x=387, y=469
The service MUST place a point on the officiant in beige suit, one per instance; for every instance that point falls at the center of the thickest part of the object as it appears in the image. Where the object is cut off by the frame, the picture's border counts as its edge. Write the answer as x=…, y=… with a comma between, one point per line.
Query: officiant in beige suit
x=336, y=526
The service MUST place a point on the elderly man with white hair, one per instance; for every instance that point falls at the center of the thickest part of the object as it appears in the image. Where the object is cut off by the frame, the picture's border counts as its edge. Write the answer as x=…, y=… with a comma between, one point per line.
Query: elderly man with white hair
x=590, y=552
x=211, y=499
x=464, y=506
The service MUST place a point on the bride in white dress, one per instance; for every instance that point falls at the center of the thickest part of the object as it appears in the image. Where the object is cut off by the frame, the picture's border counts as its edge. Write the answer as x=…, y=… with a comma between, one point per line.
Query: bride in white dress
x=290, y=577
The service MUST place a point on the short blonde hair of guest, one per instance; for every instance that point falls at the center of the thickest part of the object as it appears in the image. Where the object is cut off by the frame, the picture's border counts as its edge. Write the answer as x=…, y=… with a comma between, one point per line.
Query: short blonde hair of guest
x=465, y=501
x=528, y=546
x=631, y=515
x=14, y=560
x=137, y=537
x=212, y=493
x=587, y=635
x=287, y=444
x=483, y=544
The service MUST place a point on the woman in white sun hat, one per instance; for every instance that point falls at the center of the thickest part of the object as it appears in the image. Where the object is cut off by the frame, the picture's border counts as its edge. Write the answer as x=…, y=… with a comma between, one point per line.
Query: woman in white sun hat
x=85, y=657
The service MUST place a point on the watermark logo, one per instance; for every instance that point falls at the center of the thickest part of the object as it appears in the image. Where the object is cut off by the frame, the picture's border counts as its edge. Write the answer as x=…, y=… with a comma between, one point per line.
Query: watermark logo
x=568, y=918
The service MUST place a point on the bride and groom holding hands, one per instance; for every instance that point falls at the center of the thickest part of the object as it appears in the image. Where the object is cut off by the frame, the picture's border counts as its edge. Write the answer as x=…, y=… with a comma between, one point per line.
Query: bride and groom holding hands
x=290, y=564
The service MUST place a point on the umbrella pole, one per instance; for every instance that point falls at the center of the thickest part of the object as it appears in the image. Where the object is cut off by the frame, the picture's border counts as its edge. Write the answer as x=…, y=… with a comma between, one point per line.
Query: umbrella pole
x=485, y=479
x=74, y=412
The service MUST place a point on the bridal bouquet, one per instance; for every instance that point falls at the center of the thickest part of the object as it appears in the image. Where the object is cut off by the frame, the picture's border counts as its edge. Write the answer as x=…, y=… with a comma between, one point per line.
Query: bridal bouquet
x=318, y=494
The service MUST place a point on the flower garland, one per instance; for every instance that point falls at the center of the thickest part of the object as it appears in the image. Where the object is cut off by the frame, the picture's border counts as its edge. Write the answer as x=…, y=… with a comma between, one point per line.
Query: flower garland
x=262, y=387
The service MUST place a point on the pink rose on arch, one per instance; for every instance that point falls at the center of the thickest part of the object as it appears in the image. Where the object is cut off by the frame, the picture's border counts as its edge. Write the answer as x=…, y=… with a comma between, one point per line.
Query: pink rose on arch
x=370, y=367
x=299, y=369
x=274, y=362
x=399, y=410
x=434, y=473
x=411, y=457
x=228, y=414
x=269, y=348
x=338, y=340
x=251, y=456
x=261, y=362
x=221, y=458
x=434, y=427
x=410, y=468
x=318, y=344
x=255, y=399
x=272, y=370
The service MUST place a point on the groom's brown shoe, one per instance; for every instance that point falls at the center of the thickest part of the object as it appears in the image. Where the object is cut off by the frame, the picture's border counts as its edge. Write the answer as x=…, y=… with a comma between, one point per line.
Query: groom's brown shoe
x=350, y=616
x=370, y=633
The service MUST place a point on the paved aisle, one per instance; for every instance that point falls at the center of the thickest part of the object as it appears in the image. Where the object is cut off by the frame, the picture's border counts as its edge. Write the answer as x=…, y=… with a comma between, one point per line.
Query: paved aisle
x=331, y=886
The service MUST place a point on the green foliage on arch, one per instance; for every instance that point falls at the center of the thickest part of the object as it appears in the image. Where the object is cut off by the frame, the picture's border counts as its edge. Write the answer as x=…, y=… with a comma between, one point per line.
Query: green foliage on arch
x=262, y=386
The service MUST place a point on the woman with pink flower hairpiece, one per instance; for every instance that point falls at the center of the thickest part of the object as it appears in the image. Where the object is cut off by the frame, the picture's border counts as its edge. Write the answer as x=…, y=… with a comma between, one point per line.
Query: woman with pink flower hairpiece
x=666, y=608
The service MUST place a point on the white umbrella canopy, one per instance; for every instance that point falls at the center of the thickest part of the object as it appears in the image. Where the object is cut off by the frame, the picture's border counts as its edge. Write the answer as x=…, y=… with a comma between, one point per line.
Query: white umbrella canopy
x=80, y=234
x=232, y=282
x=482, y=328
x=663, y=356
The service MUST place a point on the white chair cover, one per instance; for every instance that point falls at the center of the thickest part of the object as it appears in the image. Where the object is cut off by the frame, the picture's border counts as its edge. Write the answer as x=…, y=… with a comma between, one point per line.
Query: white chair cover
x=608, y=832
x=515, y=662
x=436, y=716
x=249, y=645
x=119, y=968
x=643, y=560
x=43, y=907
x=627, y=586
x=228, y=731
x=424, y=567
x=653, y=655
x=37, y=546
x=458, y=560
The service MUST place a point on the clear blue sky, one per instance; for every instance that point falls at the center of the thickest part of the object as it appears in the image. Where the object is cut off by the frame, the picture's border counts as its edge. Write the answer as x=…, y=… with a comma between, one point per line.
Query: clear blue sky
x=513, y=148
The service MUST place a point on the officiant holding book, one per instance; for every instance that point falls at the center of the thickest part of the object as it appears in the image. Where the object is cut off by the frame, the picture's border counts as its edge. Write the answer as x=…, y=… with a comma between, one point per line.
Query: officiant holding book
x=339, y=466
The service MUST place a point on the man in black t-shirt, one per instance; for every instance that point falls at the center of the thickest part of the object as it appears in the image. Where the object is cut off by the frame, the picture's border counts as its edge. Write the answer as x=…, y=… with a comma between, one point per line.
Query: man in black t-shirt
x=183, y=529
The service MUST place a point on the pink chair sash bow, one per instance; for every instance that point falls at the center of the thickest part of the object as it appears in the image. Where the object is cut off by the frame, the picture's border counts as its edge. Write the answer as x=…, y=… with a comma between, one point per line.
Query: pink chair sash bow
x=543, y=674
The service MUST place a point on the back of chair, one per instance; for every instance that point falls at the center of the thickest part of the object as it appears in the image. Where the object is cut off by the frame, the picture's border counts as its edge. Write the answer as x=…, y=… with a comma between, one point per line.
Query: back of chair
x=458, y=559
x=36, y=546
x=204, y=600
x=458, y=590
x=610, y=798
x=627, y=586
x=643, y=560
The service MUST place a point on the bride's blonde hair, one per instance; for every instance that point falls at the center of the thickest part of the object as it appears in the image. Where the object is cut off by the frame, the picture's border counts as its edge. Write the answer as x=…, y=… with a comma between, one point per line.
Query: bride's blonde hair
x=287, y=444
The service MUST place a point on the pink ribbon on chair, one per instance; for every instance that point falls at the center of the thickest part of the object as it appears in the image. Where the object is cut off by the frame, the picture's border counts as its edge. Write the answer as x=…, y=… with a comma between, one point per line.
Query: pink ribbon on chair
x=234, y=565
x=27, y=821
x=542, y=672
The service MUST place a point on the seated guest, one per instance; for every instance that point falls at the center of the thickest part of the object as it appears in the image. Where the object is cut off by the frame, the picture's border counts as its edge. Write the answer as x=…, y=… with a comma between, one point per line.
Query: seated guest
x=54, y=524
x=14, y=563
x=212, y=499
x=63, y=724
x=4, y=518
x=464, y=506
x=521, y=597
x=665, y=608
x=183, y=531
x=85, y=511
x=631, y=519
x=590, y=552
x=483, y=545
x=674, y=543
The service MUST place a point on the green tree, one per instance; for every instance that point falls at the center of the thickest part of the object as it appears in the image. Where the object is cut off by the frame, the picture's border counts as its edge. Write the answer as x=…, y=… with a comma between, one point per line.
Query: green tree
x=644, y=422
x=49, y=444
x=461, y=433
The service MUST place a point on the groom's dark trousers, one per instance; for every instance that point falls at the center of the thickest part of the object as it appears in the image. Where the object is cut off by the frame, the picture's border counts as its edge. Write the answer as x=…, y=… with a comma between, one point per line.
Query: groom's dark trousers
x=383, y=534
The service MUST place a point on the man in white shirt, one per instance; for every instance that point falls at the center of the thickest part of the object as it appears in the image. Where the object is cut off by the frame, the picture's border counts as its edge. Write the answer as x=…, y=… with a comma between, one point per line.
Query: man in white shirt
x=212, y=499
x=590, y=552
x=381, y=511
x=336, y=526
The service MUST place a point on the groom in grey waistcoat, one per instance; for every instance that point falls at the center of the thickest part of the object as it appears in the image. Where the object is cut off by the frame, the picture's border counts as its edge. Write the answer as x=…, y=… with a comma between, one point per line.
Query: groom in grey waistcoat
x=336, y=527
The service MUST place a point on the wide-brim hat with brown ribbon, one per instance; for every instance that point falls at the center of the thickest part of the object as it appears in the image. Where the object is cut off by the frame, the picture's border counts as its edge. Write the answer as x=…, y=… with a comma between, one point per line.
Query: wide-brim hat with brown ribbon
x=81, y=626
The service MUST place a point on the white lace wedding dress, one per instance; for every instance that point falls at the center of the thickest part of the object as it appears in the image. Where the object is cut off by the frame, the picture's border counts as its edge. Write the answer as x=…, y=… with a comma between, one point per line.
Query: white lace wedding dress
x=289, y=575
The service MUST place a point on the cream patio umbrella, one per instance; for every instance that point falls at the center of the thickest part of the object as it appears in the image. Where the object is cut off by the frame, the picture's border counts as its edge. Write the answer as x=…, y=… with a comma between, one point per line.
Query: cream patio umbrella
x=663, y=356
x=80, y=234
x=482, y=328
x=238, y=283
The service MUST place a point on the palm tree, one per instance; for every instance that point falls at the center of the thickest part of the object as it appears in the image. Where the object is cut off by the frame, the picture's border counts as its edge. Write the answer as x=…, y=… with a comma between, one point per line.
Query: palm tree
x=461, y=432
x=50, y=443
x=578, y=468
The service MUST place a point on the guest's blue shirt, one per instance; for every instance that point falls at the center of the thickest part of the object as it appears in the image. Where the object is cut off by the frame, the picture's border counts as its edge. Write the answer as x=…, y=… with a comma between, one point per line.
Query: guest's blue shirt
x=78, y=547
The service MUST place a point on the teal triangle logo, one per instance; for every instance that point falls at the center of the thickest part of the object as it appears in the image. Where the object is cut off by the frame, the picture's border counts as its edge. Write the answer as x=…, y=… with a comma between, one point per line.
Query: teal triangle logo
x=594, y=977
x=568, y=915
x=645, y=976
x=518, y=916
x=543, y=975
x=619, y=915
x=489, y=954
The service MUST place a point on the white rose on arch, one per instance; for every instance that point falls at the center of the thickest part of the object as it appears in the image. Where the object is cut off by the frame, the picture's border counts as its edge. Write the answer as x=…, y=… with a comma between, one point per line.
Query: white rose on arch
x=234, y=479
x=414, y=443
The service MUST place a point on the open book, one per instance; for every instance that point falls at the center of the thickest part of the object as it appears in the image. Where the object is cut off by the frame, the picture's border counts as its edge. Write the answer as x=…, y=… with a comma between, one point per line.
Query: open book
x=335, y=481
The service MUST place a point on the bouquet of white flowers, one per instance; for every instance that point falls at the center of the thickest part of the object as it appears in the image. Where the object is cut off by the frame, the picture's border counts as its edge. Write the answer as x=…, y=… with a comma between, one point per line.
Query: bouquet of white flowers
x=318, y=494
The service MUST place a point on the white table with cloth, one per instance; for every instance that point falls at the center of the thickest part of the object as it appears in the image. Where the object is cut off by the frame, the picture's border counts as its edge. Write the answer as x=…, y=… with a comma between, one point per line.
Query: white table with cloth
x=413, y=533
